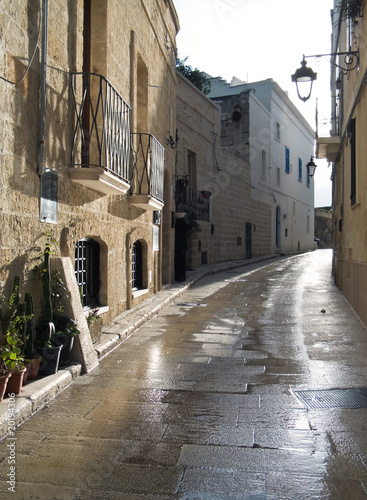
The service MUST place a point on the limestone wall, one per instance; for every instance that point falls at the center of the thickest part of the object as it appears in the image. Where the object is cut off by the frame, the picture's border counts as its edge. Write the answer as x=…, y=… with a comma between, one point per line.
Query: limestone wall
x=324, y=227
x=226, y=176
x=123, y=35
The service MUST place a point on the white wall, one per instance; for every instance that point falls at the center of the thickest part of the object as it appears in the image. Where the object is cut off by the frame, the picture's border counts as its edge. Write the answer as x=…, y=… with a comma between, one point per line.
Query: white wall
x=294, y=198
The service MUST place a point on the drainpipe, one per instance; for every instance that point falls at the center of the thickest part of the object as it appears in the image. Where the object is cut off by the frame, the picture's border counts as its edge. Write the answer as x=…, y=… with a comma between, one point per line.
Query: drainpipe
x=48, y=177
x=41, y=151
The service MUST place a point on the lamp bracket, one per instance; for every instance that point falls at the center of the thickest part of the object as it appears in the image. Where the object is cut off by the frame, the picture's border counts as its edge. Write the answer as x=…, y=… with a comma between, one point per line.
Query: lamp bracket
x=348, y=59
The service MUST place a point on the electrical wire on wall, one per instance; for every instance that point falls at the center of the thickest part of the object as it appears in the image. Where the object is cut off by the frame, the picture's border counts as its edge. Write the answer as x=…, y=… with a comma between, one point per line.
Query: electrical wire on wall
x=32, y=57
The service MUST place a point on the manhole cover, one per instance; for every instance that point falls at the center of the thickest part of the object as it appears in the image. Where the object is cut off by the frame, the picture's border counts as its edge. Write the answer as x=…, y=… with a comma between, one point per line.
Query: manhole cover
x=333, y=398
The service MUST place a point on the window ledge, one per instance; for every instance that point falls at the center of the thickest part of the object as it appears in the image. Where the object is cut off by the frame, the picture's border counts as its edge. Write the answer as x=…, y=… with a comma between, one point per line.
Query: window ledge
x=356, y=205
x=139, y=293
x=101, y=310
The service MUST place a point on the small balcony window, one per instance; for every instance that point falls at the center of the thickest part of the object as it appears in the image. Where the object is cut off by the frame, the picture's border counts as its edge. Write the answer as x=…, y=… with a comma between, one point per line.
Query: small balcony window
x=101, y=141
x=191, y=200
x=147, y=172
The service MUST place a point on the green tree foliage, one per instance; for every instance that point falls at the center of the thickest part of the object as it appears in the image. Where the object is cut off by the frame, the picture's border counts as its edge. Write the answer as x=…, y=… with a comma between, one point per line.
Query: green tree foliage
x=195, y=76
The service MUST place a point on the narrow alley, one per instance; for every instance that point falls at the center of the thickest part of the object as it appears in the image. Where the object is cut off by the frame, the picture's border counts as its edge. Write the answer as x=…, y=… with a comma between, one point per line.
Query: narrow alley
x=211, y=399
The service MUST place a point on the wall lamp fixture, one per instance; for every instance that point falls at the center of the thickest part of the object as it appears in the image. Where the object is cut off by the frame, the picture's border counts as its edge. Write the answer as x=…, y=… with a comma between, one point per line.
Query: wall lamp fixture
x=305, y=76
x=311, y=167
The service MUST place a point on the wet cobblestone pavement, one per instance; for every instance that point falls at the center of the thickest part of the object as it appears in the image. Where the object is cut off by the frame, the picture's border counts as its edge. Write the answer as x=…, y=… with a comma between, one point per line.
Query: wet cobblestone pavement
x=200, y=402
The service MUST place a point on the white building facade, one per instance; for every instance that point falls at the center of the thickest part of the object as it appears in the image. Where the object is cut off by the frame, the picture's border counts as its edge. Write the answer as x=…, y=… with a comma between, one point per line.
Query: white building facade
x=260, y=124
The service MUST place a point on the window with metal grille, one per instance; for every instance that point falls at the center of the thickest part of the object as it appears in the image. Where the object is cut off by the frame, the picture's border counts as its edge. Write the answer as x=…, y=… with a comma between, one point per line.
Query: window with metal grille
x=137, y=266
x=87, y=271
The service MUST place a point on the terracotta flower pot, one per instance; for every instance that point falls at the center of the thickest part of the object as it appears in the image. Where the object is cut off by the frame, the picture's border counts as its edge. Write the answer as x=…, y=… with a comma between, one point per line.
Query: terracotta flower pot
x=15, y=382
x=3, y=384
x=34, y=366
x=25, y=376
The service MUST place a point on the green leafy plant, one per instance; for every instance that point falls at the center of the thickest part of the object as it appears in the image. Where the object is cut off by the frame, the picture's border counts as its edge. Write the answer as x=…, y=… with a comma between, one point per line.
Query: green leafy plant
x=92, y=316
x=66, y=327
x=53, y=323
x=195, y=76
x=45, y=328
x=30, y=330
x=15, y=320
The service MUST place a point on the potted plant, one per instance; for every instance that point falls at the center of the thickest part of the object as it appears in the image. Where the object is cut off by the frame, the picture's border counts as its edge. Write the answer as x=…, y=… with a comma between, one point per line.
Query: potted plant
x=55, y=331
x=32, y=357
x=4, y=377
x=66, y=330
x=13, y=321
x=45, y=330
x=94, y=322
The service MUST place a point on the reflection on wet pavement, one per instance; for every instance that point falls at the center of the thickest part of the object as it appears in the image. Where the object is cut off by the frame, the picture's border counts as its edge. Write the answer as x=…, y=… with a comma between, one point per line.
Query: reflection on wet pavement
x=199, y=403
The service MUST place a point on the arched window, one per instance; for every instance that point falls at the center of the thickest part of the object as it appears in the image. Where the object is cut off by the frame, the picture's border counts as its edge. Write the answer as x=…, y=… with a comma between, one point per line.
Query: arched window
x=87, y=271
x=137, y=266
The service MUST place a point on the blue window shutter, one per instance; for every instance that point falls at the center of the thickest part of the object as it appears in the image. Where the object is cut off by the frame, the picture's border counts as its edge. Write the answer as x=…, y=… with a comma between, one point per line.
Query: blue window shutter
x=299, y=169
x=287, y=164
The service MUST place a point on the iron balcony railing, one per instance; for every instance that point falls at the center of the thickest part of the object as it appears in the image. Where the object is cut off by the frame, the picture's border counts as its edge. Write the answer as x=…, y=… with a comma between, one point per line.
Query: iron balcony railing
x=102, y=130
x=147, y=171
x=191, y=199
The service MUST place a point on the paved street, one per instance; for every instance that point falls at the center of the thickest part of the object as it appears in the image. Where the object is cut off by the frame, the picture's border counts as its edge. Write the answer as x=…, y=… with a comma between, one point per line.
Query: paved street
x=202, y=401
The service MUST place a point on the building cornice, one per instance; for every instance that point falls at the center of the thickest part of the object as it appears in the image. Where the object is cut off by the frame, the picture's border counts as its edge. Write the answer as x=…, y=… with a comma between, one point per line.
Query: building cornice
x=174, y=14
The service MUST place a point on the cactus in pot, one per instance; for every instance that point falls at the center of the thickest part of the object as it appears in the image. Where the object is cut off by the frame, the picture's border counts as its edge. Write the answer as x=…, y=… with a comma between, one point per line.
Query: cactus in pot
x=46, y=328
x=32, y=357
x=30, y=330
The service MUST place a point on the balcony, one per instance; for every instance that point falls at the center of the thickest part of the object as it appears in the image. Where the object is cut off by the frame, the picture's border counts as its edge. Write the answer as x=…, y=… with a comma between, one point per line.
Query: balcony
x=191, y=200
x=327, y=133
x=147, y=172
x=101, y=149
x=328, y=148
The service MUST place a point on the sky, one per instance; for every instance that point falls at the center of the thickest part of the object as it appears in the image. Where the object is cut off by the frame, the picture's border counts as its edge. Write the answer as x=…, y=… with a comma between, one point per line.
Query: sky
x=260, y=39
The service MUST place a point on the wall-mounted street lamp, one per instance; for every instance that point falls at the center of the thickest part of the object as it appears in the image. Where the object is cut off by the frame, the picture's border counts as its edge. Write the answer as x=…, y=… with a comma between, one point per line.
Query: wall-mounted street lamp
x=311, y=167
x=305, y=76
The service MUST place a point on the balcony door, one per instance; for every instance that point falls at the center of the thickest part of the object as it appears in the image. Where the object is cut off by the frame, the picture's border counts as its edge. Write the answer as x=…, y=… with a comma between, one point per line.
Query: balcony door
x=86, y=70
x=94, y=57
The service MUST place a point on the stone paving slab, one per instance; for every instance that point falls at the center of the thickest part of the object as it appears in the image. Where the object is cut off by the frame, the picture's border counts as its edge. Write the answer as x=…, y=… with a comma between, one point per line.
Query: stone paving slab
x=37, y=393
x=159, y=418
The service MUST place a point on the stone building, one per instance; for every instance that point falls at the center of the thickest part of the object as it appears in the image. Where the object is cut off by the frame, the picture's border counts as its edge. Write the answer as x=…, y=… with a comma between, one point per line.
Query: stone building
x=91, y=157
x=87, y=101
x=324, y=227
x=346, y=148
x=216, y=218
x=260, y=125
